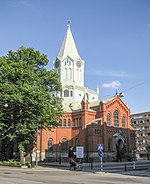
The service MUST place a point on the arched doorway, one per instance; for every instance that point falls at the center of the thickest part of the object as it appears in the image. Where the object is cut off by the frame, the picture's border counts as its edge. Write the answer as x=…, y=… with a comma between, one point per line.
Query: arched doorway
x=120, y=147
x=63, y=150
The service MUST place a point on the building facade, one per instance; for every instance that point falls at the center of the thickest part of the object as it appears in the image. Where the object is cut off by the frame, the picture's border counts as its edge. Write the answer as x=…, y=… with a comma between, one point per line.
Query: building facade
x=87, y=121
x=141, y=122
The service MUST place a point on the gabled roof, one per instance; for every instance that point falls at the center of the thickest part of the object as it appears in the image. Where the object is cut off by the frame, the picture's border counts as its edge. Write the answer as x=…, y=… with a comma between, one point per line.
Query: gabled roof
x=94, y=103
x=68, y=47
x=106, y=100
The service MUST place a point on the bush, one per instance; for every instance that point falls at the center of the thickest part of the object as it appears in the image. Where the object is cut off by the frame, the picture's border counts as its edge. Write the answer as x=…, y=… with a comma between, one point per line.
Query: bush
x=14, y=163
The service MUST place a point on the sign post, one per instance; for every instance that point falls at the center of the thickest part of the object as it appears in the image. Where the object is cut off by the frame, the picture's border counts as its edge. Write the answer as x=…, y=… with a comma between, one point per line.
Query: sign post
x=101, y=164
x=101, y=154
x=80, y=155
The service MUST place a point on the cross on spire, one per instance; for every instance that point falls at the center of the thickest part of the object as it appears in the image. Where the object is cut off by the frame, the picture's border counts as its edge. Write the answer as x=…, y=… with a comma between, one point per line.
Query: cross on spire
x=69, y=23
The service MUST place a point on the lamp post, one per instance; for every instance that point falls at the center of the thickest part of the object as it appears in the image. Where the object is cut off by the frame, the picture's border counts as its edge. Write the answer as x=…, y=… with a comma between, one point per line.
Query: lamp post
x=37, y=142
x=92, y=150
x=59, y=152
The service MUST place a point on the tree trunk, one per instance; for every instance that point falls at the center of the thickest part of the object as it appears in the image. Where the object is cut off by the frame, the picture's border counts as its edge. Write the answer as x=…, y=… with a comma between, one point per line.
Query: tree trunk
x=22, y=158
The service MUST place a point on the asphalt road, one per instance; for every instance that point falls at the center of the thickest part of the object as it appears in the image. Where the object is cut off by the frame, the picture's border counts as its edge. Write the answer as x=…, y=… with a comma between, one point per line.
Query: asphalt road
x=42, y=175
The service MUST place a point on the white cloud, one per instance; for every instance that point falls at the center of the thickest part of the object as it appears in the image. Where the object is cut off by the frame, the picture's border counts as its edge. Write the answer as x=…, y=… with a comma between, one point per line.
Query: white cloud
x=112, y=85
x=110, y=73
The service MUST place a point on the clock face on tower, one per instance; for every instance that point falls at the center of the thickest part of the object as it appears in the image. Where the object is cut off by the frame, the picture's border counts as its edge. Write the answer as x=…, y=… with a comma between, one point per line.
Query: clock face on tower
x=57, y=62
x=78, y=64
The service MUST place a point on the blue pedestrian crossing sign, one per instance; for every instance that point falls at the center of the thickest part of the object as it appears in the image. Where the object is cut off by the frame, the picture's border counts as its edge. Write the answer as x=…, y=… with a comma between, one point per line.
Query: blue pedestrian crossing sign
x=100, y=147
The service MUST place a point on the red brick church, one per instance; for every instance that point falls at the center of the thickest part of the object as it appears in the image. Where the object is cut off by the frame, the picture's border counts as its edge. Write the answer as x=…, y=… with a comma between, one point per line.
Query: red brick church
x=87, y=121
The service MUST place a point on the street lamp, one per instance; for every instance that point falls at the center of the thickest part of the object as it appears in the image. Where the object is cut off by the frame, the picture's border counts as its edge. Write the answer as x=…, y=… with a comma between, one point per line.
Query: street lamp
x=92, y=150
x=37, y=142
x=59, y=152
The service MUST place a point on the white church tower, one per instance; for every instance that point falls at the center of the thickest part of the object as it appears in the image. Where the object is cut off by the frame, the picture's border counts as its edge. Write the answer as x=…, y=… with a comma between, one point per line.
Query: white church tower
x=70, y=67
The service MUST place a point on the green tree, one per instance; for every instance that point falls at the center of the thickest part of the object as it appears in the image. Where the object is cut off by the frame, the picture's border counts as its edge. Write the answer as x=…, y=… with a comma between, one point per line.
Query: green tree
x=26, y=89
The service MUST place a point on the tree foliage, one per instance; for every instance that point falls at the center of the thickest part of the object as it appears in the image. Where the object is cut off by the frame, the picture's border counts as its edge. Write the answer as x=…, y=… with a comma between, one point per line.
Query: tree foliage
x=26, y=86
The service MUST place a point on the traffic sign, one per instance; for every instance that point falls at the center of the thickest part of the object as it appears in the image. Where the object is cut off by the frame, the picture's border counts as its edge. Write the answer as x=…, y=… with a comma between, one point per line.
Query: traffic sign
x=101, y=154
x=100, y=147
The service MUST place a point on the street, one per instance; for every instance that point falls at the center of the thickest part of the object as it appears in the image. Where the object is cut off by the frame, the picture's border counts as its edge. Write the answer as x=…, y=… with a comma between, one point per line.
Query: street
x=44, y=175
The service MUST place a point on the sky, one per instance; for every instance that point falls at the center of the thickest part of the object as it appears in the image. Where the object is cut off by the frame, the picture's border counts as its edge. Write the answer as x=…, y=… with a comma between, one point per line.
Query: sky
x=112, y=37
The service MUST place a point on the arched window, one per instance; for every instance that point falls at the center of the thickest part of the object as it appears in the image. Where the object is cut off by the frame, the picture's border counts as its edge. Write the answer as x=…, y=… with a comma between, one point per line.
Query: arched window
x=69, y=122
x=64, y=123
x=77, y=122
x=70, y=73
x=123, y=122
x=66, y=73
x=116, y=119
x=108, y=119
x=50, y=144
x=66, y=93
x=109, y=145
x=74, y=122
x=60, y=123
x=60, y=94
x=71, y=93
x=64, y=145
x=80, y=75
x=80, y=122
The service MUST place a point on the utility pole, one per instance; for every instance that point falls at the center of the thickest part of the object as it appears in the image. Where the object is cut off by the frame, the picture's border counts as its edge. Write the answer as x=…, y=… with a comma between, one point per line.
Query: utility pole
x=37, y=142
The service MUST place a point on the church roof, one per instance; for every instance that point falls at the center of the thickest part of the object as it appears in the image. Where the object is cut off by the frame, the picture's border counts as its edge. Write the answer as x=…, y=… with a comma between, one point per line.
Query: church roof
x=82, y=88
x=94, y=121
x=106, y=100
x=94, y=103
x=68, y=47
x=97, y=102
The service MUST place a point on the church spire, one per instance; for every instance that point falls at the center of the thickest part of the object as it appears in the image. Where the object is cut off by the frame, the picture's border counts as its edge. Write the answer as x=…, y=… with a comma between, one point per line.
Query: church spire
x=68, y=47
x=68, y=23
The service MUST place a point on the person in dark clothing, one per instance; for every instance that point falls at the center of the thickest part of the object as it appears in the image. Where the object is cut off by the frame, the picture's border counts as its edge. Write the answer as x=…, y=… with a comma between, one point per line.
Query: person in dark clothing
x=73, y=164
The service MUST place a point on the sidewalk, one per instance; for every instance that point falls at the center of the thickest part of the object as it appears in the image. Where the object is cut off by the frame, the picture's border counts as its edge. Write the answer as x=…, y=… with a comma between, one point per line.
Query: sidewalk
x=107, y=168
